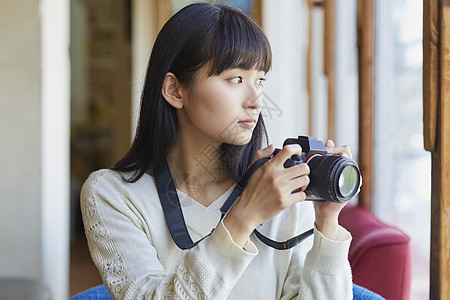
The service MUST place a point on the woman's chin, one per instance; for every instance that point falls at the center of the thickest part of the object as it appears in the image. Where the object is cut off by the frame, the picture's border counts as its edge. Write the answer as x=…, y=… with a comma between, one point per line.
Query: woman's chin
x=243, y=140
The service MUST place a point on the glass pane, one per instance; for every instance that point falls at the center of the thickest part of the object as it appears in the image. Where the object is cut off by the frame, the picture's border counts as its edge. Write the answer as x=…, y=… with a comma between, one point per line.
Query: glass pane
x=245, y=5
x=402, y=166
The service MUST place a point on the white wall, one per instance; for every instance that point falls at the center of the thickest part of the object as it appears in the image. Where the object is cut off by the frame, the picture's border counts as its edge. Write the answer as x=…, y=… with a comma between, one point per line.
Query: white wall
x=20, y=133
x=34, y=99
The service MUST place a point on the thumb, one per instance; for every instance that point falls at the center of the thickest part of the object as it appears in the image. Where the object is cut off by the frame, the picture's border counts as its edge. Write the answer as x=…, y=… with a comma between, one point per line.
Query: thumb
x=329, y=144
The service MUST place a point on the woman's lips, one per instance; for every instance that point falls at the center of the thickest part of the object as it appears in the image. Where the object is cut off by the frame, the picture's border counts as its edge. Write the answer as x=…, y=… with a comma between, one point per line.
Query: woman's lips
x=249, y=123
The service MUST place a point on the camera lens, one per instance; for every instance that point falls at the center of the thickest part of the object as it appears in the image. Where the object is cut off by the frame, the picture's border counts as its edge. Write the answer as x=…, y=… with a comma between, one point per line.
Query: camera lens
x=348, y=181
x=332, y=178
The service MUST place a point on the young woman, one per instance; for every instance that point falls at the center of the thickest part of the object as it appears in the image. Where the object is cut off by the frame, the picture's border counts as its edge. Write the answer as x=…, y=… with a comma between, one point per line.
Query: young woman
x=200, y=115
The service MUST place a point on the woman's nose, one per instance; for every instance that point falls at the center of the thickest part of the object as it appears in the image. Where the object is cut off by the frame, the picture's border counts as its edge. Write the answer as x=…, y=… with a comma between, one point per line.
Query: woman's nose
x=254, y=98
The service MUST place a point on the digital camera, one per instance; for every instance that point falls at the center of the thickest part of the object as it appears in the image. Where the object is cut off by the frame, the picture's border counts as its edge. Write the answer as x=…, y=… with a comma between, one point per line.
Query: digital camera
x=332, y=177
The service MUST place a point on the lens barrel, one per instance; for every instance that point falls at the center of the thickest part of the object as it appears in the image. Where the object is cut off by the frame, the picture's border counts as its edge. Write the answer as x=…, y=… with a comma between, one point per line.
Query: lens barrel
x=333, y=178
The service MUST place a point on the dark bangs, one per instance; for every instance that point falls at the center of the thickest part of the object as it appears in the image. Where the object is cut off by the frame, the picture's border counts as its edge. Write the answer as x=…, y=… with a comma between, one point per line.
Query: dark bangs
x=237, y=42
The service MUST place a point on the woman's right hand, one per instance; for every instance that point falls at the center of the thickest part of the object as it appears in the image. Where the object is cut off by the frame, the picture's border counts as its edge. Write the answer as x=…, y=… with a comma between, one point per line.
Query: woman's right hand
x=268, y=192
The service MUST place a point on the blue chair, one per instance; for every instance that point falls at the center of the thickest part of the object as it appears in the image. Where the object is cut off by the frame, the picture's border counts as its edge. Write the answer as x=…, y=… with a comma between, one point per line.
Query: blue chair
x=360, y=293
x=100, y=292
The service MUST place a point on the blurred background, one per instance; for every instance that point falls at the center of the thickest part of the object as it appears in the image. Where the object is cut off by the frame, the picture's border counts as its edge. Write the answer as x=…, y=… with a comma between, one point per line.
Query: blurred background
x=71, y=75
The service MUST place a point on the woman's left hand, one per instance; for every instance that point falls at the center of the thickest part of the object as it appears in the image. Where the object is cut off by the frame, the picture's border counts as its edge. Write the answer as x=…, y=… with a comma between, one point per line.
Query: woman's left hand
x=327, y=212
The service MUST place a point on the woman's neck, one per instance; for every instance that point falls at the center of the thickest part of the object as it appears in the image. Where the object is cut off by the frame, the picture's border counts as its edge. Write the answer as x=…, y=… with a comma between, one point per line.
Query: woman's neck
x=197, y=169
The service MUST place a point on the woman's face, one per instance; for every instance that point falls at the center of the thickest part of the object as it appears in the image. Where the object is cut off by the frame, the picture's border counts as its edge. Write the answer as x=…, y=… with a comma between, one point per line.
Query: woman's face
x=224, y=107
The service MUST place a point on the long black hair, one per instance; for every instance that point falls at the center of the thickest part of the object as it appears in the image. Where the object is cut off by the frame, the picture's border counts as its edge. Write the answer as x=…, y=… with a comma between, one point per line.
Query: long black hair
x=220, y=36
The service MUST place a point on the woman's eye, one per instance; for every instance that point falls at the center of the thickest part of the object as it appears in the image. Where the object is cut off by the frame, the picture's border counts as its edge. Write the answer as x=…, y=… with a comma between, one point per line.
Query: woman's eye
x=237, y=79
x=260, y=81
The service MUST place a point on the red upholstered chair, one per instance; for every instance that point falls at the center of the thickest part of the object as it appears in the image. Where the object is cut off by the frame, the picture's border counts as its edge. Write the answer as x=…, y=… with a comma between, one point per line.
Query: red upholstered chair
x=380, y=254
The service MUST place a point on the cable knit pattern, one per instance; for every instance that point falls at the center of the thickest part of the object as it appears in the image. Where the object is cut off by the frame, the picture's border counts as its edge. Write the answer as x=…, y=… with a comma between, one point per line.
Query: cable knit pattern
x=137, y=258
x=201, y=282
x=167, y=291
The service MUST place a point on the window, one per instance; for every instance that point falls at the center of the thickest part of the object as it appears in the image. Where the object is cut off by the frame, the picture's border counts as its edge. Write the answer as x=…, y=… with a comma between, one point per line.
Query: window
x=402, y=168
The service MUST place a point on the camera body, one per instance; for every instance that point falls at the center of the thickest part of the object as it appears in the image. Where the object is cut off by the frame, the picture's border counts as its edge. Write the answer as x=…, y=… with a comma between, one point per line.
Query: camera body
x=332, y=177
x=310, y=146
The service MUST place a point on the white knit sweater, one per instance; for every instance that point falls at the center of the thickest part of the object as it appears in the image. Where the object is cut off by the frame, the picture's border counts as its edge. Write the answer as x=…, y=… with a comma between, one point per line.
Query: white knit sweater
x=137, y=258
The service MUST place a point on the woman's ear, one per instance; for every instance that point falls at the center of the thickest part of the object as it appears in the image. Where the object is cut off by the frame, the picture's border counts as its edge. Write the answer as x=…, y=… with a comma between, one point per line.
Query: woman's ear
x=172, y=91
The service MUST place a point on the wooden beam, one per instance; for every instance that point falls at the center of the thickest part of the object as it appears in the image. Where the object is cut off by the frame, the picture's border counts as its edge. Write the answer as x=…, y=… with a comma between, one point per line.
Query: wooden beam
x=257, y=12
x=430, y=72
x=162, y=13
x=329, y=61
x=365, y=83
x=121, y=127
x=440, y=188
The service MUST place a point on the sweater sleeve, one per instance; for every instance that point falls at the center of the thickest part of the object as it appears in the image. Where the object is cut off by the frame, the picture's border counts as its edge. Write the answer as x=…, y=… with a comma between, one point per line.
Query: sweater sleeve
x=317, y=268
x=128, y=261
x=326, y=273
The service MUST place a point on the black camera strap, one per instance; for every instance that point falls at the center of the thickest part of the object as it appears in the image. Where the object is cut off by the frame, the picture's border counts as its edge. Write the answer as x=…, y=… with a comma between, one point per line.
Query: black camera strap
x=174, y=215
